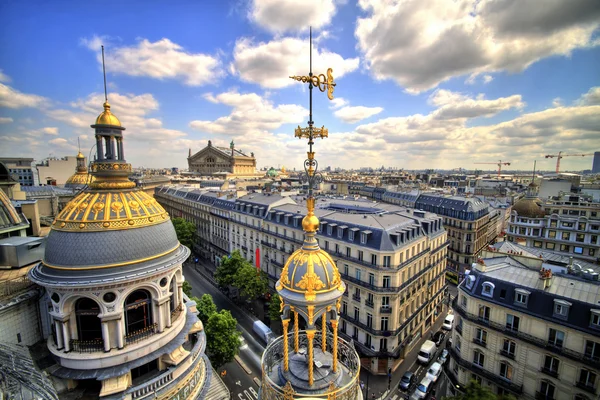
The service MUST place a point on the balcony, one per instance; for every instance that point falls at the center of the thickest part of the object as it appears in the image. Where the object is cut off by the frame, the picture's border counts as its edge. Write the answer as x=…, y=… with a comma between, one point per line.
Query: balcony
x=551, y=372
x=142, y=334
x=369, y=304
x=498, y=380
x=356, y=297
x=479, y=342
x=277, y=263
x=586, y=386
x=86, y=346
x=176, y=312
x=367, y=285
x=541, y=343
x=385, y=310
x=507, y=354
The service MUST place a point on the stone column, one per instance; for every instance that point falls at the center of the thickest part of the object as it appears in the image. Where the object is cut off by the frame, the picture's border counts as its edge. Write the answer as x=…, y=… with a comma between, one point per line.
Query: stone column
x=112, y=148
x=120, y=335
x=120, y=143
x=310, y=334
x=296, y=331
x=66, y=335
x=165, y=306
x=286, y=364
x=105, y=336
x=100, y=148
x=59, y=335
x=334, y=328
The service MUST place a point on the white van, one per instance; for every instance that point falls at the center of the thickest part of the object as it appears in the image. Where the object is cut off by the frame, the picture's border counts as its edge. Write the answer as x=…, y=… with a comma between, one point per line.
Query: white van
x=424, y=388
x=427, y=352
x=448, y=322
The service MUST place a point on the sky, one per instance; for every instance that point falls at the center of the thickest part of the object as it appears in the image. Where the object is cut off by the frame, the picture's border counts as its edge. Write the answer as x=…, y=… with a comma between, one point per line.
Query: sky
x=420, y=83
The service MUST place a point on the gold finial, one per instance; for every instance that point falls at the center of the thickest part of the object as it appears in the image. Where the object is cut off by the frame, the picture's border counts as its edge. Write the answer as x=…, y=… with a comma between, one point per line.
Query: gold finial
x=320, y=81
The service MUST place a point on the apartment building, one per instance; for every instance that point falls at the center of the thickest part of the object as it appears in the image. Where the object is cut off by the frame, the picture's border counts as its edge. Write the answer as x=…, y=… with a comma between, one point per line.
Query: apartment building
x=568, y=224
x=526, y=330
x=470, y=224
x=392, y=260
x=20, y=169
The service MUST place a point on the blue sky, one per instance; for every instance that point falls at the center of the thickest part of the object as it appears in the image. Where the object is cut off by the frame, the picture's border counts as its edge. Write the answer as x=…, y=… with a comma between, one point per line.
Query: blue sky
x=420, y=83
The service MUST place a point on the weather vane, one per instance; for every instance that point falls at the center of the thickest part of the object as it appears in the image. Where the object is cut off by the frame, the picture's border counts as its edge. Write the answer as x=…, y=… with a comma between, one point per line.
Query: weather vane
x=323, y=83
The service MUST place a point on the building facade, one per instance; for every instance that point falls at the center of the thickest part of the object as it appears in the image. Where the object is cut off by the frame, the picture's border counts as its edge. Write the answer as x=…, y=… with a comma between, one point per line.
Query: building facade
x=222, y=161
x=61, y=170
x=568, y=224
x=392, y=260
x=21, y=170
x=470, y=225
x=526, y=331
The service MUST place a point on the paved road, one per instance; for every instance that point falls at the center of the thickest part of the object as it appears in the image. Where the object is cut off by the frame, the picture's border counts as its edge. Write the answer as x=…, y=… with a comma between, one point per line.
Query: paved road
x=240, y=383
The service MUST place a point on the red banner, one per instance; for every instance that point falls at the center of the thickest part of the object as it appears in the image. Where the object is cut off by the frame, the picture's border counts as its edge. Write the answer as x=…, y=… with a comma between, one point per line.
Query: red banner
x=257, y=258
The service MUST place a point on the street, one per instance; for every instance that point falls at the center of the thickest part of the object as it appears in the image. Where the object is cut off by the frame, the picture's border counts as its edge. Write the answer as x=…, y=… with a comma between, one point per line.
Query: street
x=240, y=383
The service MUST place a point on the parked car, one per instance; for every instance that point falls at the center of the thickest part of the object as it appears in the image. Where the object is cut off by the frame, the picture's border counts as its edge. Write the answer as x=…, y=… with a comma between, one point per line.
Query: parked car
x=407, y=380
x=434, y=371
x=448, y=322
x=443, y=358
x=438, y=338
x=424, y=388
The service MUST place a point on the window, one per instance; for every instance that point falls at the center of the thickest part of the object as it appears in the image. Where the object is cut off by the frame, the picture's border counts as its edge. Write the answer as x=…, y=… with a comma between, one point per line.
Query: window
x=326, y=245
x=363, y=238
x=587, y=378
x=138, y=311
x=580, y=237
x=547, y=390
x=565, y=247
x=566, y=235
x=386, y=281
x=470, y=280
x=360, y=255
x=351, y=235
x=329, y=228
x=346, y=269
x=478, y=358
x=551, y=365
x=357, y=313
x=512, y=322
x=550, y=246
x=484, y=313
x=506, y=371
x=88, y=323
x=592, y=350
x=508, y=348
x=463, y=301
x=348, y=252
x=373, y=259
x=370, y=299
x=384, y=323
x=387, y=261
x=595, y=320
x=480, y=336
x=358, y=273
x=561, y=308
x=537, y=244
x=369, y=320
x=552, y=234
x=340, y=232
x=345, y=308
x=521, y=297
x=385, y=301
x=382, y=344
x=488, y=289
x=556, y=338
x=371, y=279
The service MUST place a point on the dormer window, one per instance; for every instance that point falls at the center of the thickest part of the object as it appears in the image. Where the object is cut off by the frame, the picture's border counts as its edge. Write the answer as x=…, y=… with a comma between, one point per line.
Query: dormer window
x=561, y=309
x=595, y=320
x=286, y=219
x=296, y=222
x=488, y=289
x=278, y=217
x=470, y=281
x=363, y=238
x=521, y=297
x=329, y=229
x=351, y=234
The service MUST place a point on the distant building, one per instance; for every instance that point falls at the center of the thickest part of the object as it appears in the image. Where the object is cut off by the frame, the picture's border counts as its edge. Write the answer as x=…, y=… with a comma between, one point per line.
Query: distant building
x=20, y=169
x=223, y=162
x=60, y=170
x=596, y=163
x=528, y=329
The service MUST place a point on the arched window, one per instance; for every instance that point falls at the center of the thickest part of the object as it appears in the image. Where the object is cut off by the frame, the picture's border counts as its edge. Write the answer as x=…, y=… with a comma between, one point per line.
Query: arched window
x=88, y=323
x=138, y=311
x=173, y=298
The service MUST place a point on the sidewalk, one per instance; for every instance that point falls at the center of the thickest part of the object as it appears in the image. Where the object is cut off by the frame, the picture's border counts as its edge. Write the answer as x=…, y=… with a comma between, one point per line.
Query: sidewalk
x=378, y=384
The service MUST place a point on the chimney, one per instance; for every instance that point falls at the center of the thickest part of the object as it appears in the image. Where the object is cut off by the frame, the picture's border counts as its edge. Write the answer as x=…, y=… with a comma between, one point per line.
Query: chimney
x=546, y=277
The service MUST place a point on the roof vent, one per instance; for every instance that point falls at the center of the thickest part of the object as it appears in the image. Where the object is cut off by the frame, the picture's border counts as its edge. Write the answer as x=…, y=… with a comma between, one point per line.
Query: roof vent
x=364, y=216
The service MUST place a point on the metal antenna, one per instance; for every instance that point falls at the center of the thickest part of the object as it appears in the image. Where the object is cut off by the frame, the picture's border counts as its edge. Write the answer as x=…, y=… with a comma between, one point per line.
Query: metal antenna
x=104, y=73
x=78, y=144
x=310, y=116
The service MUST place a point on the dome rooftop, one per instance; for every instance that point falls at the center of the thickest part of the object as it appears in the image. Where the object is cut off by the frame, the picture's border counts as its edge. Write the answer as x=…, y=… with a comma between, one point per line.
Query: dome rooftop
x=79, y=178
x=529, y=207
x=107, y=118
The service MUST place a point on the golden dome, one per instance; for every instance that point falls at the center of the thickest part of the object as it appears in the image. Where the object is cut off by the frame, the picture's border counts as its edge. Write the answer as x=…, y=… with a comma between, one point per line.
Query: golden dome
x=97, y=211
x=80, y=155
x=107, y=118
x=310, y=272
x=310, y=223
x=80, y=179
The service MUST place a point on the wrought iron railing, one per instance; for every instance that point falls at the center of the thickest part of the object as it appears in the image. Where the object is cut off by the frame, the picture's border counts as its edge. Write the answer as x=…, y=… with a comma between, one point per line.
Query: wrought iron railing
x=385, y=310
x=348, y=361
x=586, y=386
x=13, y=286
x=176, y=312
x=86, y=346
x=138, y=336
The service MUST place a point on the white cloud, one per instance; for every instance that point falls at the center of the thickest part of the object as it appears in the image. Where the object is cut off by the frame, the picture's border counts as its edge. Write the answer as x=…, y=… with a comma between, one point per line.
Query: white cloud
x=270, y=64
x=291, y=15
x=4, y=78
x=455, y=105
x=162, y=59
x=592, y=97
x=420, y=43
x=353, y=114
x=557, y=102
x=487, y=78
x=5, y=120
x=12, y=98
x=338, y=102
x=42, y=131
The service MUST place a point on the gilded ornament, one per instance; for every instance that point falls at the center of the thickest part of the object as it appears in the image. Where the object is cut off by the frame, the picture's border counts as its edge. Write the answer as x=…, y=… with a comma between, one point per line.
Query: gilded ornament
x=106, y=224
x=151, y=219
x=311, y=314
x=97, y=207
x=81, y=226
x=115, y=166
x=62, y=224
x=131, y=222
x=310, y=282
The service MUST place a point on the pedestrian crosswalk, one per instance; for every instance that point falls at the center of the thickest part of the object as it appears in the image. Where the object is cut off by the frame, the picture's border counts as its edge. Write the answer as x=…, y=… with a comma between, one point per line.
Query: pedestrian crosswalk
x=248, y=394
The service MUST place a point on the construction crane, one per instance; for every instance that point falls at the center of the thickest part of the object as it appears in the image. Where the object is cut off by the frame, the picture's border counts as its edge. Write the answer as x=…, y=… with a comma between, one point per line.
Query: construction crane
x=561, y=155
x=499, y=164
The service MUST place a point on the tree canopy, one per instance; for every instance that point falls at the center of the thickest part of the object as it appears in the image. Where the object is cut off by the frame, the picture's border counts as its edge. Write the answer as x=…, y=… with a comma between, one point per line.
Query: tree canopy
x=185, y=231
x=474, y=391
x=187, y=288
x=206, y=307
x=251, y=282
x=274, y=307
x=223, y=338
x=225, y=272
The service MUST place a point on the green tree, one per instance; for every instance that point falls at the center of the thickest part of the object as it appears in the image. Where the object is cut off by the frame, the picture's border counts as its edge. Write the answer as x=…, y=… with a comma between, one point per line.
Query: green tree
x=225, y=272
x=474, y=391
x=185, y=231
x=274, y=307
x=223, y=338
x=251, y=282
x=187, y=289
x=206, y=307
